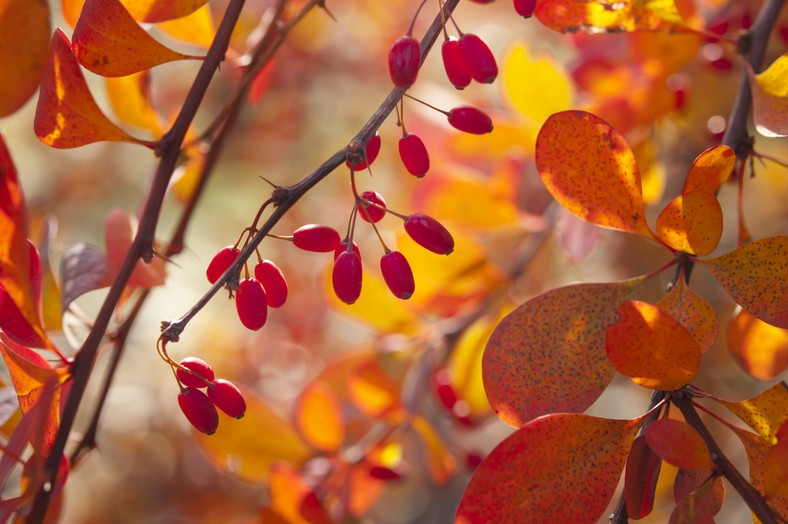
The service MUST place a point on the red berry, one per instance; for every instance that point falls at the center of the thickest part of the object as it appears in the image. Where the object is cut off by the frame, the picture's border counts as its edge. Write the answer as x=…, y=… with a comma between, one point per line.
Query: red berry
x=414, y=155
x=477, y=58
x=370, y=152
x=404, y=61
x=397, y=274
x=525, y=8
x=429, y=233
x=251, y=303
x=314, y=237
x=273, y=281
x=342, y=247
x=383, y=473
x=470, y=120
x=367, y=211
x=199, y=410
x=220, y=262
x=346, y=276
x=458, y=74
x=444, y=389
x=227, y=397
x=199, y=368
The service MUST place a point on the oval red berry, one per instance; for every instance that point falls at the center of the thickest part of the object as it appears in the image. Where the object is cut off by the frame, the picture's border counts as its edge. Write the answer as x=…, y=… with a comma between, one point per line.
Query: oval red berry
x=397, y=274
x=199, y=368
x=317, y=238
x=346, y=277
x=199, y=410
x=369, y=212
x=414, y=155
x=220, y=262
x=477, y=58
x=458, y=74
x=342, y=247
x=227, y=397
x=251, y=303
x=429, y=233
x=525, y=8
x=404, y=61
x=470, y=120
x=371, y=152
x=273, y=281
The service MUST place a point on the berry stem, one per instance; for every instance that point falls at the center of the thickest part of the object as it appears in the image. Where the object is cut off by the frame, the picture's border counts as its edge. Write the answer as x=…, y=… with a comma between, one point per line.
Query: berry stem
x=428, y=105
x=416, y=16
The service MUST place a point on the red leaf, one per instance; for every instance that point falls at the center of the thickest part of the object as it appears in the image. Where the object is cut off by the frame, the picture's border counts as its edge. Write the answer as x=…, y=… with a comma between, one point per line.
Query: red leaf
x=678, y=444
x=640, y=478
x=557, y=468
x=699, y=494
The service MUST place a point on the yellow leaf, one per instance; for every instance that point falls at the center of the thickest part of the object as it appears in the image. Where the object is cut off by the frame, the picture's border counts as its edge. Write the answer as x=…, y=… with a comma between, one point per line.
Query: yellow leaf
x=770, y=98
x=196, y=28
x=760, y=348
x=319, y=418
x=130, y=99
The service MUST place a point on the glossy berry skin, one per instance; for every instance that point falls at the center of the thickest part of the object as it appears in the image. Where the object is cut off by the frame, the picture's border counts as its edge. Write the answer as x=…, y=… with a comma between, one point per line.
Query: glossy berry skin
x=404, y=61
x=470, y=120
x=383, y=473
x=370, y=152
x=317, y=238
x=342, y=247
x=370, y=213
x=198, y=367
x=397, y=274
x=220, y=262
x=346, y=277
x=273, y=281
x=458, y=74
x=199, y=410
x=429, y=234
x=227, y=397
x=414, y=155
x=251, y=303
x=525, y=8
x=477, y=58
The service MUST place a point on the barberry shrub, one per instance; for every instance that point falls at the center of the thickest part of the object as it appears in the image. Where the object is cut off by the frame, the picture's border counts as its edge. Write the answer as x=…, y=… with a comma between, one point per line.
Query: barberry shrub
x=552, y=288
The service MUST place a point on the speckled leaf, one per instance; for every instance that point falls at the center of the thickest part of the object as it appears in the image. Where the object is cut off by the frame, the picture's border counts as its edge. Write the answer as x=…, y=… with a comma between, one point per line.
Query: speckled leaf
x=756, y=276
x=109, y=42
x=678, y=444
x=557, y=468
x=130, y=99
x=693, y=312
x=710, y=170
x=758, y=449
x=548, y=355
x=66, y=114
x=590, y=169
x=765, y=412
x=153, y=11
x=651, y=347
x=775, y=470
x=319, y=418
x=699, y=495
x=24, y=46
x=761, y=349
x=640, y=478
x=691, y=223
x=770, y=98
x=595, y=17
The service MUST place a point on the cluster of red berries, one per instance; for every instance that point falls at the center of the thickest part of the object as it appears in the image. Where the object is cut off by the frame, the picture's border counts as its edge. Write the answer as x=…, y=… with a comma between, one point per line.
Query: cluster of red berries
x=193, y=375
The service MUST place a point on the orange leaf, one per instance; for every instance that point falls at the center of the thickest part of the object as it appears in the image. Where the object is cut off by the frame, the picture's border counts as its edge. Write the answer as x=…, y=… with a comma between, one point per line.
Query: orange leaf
x=758, y=450
x=108, y=41
x=549, y=353
x=761, y=349
x=691, y=223
x=292, y=499
x=589, y=169
x=440, y=462
x=765, y=412
x=71, y=10
x=699, y=493
x=557, y=468
x=130, y=100
x=640, y=478
x=319, y=417
x=756, y=276
x=626, y=15
x=66, y=114
x=775, y=470
x=120, y=230
x=196, y=28
x=693, y=312
x=678, y=443
x=651, y=347
x=24, y=46
x=770, y=98
x=373, y=392
x=12, y=320
x=710, y=170
x=153, y=11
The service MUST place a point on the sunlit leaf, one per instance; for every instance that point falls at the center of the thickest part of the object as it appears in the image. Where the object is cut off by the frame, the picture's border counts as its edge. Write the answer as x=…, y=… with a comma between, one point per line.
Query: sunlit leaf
x=770, y=98
x=50, y=290
x=71, y=10
x=693, y=312
x=119, y=233
x=511, y=135
x=758, y=449
x=710, y=170
x=651, y=347
x=678, y=444
x=109, y=42
x=765, y=412
x=196, y=28
x=153, y=11
x=12, y=319
x=589, y=168
x=699, y=494
x=761, y=349
x=24, y=46
x=756, y=276
x=291, y=497
x=548, y=354
x=652, y=170
x=624, y=15
x=775, y=470
x=640, y=478
x=373, y=391
x=319, y=418
x=66, y=114
x=691, y=223
x=440, y=462
x=241, y=448
x=557, y=468
x=130, y=100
